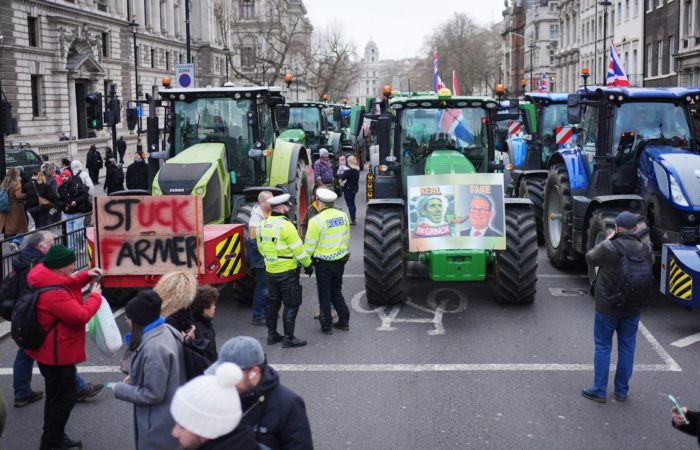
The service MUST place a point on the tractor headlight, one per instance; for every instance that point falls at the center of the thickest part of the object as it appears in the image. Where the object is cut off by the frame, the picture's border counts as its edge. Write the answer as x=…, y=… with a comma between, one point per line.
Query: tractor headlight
x=199, y=191
x=676, y=193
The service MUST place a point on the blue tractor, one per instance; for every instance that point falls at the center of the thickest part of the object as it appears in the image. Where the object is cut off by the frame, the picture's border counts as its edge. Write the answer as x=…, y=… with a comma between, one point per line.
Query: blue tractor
x=634, y=151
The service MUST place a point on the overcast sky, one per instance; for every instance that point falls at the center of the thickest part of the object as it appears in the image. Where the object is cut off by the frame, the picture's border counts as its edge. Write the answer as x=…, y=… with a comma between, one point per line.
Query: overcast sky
x=382, y=19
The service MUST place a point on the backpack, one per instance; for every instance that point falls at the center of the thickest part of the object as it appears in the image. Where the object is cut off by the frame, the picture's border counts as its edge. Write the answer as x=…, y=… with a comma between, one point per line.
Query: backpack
x=5, y=202
x=9, y=293
x=25, y=329
x=634, y=284
x=194, y=352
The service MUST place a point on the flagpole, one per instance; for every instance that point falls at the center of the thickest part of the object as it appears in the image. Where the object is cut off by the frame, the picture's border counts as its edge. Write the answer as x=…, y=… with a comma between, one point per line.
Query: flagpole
x=605, y=5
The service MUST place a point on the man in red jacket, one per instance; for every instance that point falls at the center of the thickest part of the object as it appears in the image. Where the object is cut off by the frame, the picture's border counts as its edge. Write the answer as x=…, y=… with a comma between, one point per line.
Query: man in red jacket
x=62, y=313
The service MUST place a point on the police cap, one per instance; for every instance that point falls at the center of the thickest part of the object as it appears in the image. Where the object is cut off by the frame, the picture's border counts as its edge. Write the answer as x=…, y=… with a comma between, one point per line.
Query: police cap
x=326, y=195
x=280, y=200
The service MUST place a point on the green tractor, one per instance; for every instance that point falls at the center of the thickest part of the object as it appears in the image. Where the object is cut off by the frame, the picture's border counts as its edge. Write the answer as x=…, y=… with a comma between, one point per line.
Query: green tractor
x=223, y=146
x=347, y=121
x=443, y=136
x=308, y=126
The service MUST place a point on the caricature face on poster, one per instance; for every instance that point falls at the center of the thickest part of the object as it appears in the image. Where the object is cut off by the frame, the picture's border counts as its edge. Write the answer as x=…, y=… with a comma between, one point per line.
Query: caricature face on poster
x=456, y=212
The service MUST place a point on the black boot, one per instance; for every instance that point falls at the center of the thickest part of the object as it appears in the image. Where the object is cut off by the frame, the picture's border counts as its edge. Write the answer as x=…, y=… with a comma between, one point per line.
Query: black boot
x=290, y=316
x=273, y=337
x=70, y=443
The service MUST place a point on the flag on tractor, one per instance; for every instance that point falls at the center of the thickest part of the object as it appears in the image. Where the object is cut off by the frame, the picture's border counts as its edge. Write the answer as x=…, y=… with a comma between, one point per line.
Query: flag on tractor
x=455, y=83
x=437, y=81
x=544, y=83
x=616, y=73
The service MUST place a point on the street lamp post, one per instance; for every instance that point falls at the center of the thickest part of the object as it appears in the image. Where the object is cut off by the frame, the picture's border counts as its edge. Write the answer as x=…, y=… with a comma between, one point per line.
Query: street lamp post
x=134, y=28
x=605, y=5
x=187, y=31
x=227, y=52
x=532, y=47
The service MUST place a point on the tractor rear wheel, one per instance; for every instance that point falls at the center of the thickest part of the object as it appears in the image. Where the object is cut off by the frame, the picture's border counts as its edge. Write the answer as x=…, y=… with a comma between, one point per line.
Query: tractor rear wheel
x=533, y=188
x=301, y=192
x=385, y=267
x=557, y=217
x=516, y=266
x=243, y=287
x=601, y=225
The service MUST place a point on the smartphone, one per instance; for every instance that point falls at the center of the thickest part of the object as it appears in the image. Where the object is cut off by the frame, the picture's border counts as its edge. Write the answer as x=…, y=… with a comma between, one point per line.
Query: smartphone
x=678, y=408
x=98, y=280
x=110, y=385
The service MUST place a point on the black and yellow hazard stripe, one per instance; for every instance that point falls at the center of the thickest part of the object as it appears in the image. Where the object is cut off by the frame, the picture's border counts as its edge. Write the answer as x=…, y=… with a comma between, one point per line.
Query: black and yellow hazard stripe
x=228, y=252
x=680, y=284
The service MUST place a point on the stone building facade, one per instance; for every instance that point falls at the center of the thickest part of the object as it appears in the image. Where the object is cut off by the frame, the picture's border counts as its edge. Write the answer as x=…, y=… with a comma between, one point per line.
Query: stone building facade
x=661, y=27
x=542, y=31
x=568, y=56
x=688, y=59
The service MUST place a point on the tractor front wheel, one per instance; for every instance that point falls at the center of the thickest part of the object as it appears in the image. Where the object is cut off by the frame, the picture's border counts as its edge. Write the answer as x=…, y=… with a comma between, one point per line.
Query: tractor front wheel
x=557, y=217
x=533, y=188
x=301, y=192
x=516, y=266
x=385, y=266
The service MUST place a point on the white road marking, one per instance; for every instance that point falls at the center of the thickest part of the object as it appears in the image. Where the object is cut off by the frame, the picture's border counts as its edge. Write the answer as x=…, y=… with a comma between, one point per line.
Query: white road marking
x=670, y=362
x=437, y=306
x=568, y=292
x=559, y=275
x=686, y=341
x=409, y=368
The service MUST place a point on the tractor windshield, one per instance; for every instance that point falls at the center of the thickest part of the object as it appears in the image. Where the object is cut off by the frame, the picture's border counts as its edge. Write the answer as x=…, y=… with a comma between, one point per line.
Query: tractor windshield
x=553, y=116
x=213, y=120
x=653, y=120
x=427, y=129
x=307, y=119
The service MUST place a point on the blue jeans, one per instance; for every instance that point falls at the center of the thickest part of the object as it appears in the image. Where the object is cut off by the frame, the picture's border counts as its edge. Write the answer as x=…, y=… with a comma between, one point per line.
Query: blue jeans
x=350, y=201
x=605, y=326
x=73, y=226
x=22, y=375
x=259, y=294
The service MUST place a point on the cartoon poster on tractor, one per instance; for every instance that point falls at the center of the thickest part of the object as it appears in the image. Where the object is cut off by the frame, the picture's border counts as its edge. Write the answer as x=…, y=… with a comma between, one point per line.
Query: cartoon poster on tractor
x=456, y=212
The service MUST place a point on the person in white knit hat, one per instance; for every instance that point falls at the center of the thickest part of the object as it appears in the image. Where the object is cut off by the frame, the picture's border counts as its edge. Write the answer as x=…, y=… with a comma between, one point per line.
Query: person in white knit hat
x=207, y=412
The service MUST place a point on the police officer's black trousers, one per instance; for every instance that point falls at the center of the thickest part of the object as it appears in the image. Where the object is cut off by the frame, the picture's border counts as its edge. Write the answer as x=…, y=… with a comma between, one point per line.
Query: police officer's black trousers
x=329, y=282
x=283, y=288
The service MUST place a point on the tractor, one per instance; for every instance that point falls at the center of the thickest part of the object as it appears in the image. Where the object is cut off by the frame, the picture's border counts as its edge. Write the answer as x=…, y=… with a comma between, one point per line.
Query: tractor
x=634, y=151
x=223, y=146
x=443, y=136
x=308, y=125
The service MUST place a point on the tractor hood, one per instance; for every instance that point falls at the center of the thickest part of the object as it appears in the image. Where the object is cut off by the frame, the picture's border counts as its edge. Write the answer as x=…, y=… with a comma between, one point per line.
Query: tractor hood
x=675, y=169
x=441, y=162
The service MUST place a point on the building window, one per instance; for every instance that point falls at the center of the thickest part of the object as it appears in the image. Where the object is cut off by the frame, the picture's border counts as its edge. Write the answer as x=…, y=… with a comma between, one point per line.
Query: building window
x=367, y=91
x=105, y=45
x=167, y=60
x=619, y=10
x=659, y=3
x=627, y=9
x=649, y=60
x=633, y=69
x=648, y=5
x=247, y=57
x=147, y=11
x=671, y=50
x=247, y=9
x=102, y=5
x=153, y=58
x=635, y=9
x=180, y=58
x=659, y=57
x=33, y=31
x=36, y=95
x=551, y=57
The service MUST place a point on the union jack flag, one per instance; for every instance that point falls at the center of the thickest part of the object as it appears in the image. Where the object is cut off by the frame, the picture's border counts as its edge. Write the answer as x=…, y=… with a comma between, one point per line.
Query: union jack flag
x=616, y=73
x=452, y=122
x=544, y=83
x=437, y=81
x=455, y=83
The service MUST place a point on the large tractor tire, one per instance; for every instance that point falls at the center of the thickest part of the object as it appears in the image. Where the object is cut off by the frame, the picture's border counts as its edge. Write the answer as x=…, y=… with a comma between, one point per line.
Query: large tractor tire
x=516, y=267
x=243, y=287
x=533, y=188
x=557, y=218
x=601, y=225
x=302, y=196
x=385, y=266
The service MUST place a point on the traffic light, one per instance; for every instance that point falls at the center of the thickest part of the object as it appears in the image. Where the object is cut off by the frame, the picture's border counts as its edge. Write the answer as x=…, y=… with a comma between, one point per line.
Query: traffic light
x=131, y=117
x=113, y=113
x=94, y=111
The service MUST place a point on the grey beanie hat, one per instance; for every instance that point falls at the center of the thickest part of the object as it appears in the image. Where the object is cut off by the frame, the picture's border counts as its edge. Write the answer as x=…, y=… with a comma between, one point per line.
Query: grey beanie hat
x=244, y=351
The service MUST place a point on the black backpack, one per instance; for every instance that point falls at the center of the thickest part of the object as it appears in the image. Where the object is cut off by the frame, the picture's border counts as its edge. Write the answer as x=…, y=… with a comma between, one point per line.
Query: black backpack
x=194, y=352
x=636, y=276
x=9, y=293
x=25, y=329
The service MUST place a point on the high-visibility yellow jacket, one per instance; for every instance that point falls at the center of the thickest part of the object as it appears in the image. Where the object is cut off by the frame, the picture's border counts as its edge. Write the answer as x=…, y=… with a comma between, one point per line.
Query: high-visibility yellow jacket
x=280, y=245
x=328, y=235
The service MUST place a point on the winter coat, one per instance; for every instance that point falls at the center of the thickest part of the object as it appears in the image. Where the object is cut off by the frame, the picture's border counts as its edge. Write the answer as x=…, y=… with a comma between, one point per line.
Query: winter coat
x=16, y=220
x=693, y=427
x=114, y=180
x=73, y=191
x=241, y=438
x=87, y=182
x=137, y=176
x=94, y=160
x=276, y=414
x=606, y=257
x=27, y=258
x=65, y=344
x=33, y=190
x=205, y=330
x=352, y=179
x=157, y=370
x=181, y=320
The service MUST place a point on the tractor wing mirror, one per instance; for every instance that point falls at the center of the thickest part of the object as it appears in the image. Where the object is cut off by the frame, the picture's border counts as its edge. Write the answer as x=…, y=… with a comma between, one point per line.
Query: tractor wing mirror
x=282, y=115
x=573, y=109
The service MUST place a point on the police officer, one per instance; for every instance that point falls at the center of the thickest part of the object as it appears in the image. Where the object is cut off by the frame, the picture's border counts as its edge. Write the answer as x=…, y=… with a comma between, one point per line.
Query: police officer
x=328, y=242
x=283, y=250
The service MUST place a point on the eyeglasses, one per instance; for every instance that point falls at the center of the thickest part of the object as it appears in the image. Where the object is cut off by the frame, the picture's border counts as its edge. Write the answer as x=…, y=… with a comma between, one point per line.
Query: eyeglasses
x=481, y=210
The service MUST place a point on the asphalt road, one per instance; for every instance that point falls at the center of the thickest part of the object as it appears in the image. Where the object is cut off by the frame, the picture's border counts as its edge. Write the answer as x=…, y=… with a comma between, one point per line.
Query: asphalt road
x=450, y=369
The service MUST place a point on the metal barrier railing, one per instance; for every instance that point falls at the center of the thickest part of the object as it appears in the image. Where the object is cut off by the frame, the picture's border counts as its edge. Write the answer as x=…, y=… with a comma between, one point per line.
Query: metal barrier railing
x=75, y=238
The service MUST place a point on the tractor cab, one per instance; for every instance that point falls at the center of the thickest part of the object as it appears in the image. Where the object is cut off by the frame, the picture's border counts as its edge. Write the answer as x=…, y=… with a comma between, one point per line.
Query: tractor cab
x=308, y=125
x=550, y=114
